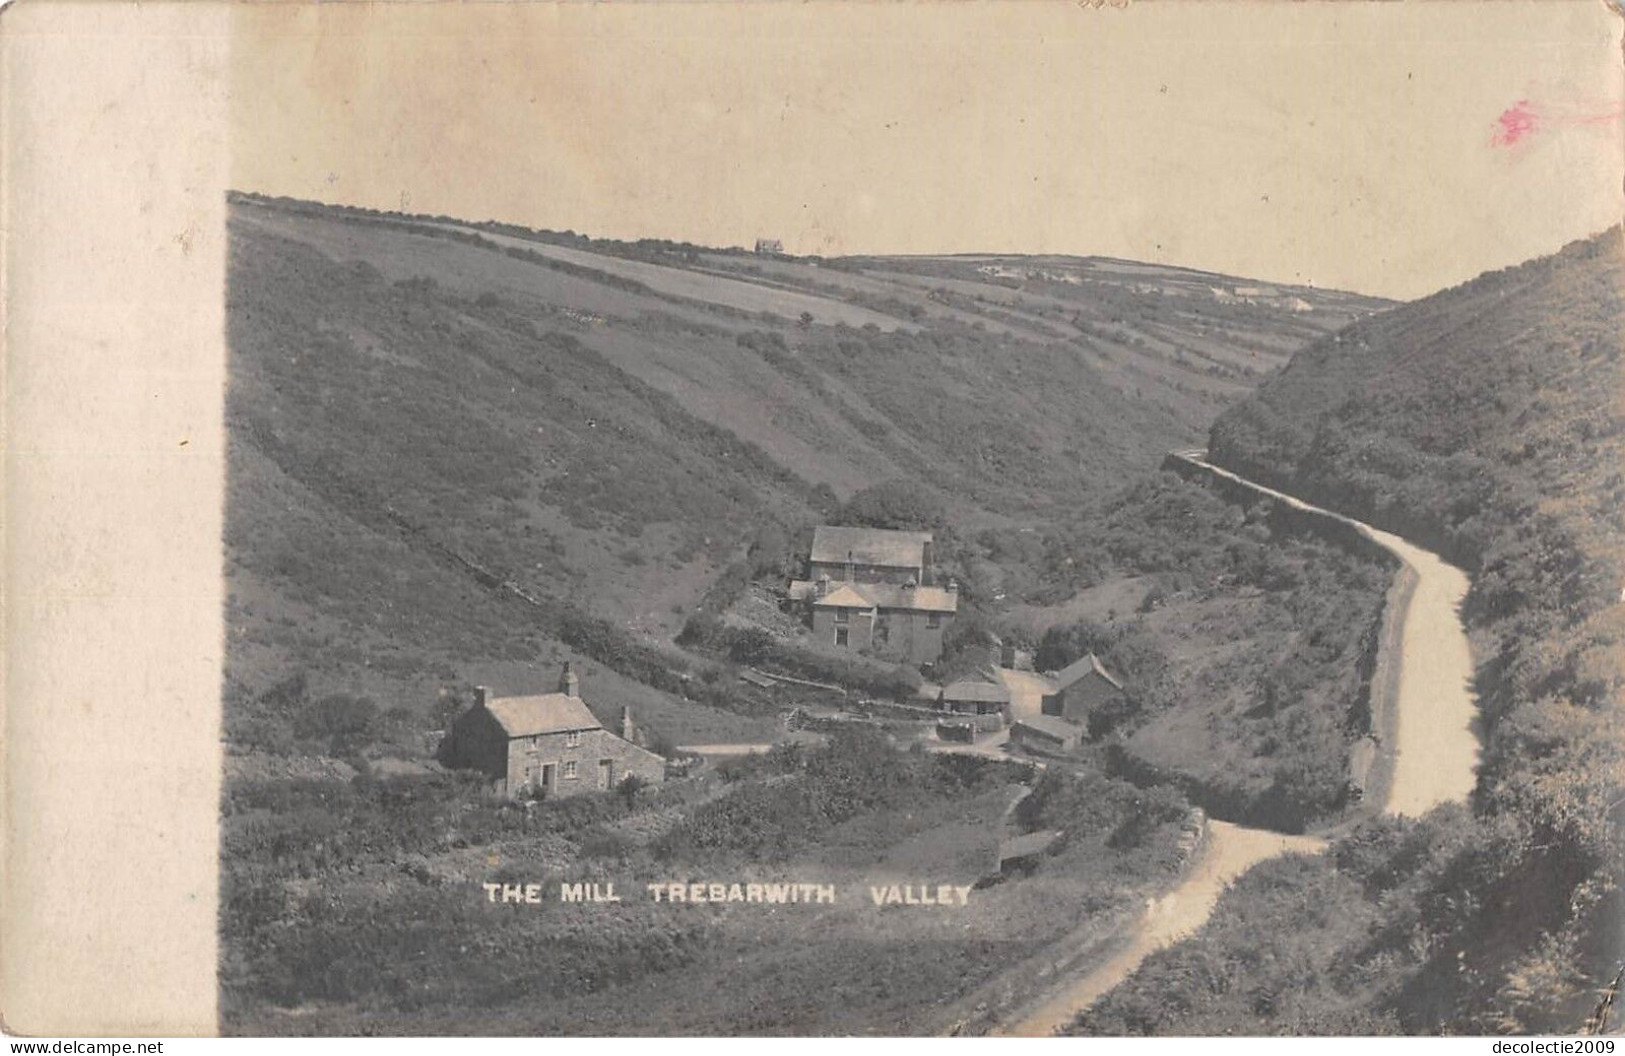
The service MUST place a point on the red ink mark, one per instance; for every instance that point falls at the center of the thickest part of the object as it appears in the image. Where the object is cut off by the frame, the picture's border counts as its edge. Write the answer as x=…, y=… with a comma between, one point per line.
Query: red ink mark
x=1515, y=122
x=1523, y=119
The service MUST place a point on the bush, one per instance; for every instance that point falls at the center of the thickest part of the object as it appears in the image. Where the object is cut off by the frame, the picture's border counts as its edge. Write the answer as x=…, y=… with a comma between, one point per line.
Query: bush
x=896, y=504
x=347, y=723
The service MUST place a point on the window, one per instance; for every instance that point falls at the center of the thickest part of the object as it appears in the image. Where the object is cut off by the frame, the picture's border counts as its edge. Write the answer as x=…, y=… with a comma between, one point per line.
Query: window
x=934, y=620
x=841, y=636
x=843, y=615
x=569, y=770
x=572, y=739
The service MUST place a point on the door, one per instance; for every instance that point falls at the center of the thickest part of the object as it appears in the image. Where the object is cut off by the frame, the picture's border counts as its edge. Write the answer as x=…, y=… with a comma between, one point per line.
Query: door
x=606, y=773
x=549, y=775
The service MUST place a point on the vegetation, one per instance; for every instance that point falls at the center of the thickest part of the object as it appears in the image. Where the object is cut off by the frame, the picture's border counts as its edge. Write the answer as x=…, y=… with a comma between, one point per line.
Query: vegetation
x=1484, y=421
x=1247, y=662
x=854, y=773
x=895, y=504
x=359, y=904
x=456, y=457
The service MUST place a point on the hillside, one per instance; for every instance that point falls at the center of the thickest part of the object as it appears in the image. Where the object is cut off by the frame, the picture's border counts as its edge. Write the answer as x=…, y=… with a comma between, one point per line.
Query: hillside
x=421, y=409
x=460, y=454
x=1485, y=421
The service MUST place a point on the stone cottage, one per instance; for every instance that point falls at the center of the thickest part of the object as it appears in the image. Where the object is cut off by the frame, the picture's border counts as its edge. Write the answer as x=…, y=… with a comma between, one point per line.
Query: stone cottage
x=551, y=742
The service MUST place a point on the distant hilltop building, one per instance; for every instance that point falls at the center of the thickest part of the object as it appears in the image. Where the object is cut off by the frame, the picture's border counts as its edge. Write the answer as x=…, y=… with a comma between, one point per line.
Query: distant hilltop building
x=770, y=246
x=869, y=590
x=551, y=742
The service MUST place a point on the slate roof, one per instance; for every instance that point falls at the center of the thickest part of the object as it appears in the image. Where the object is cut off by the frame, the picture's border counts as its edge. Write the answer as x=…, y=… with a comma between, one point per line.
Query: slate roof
x=973, y=690
x=869, y=546
x=1072, y=674
x=888, y=596
x=844, y=596
x=548, y=713
x=1059, y=729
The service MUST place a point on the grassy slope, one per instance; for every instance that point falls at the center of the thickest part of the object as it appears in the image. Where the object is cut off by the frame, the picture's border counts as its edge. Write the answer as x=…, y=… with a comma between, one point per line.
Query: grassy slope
x=1487, y=421
x=1247, y=651
x=597, y=440
x=354, y=908
x=397, y=397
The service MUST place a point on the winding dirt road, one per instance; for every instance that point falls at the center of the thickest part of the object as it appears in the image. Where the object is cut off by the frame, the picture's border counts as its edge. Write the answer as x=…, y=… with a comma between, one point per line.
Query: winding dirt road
x=1436, y=759
x=1230, y=851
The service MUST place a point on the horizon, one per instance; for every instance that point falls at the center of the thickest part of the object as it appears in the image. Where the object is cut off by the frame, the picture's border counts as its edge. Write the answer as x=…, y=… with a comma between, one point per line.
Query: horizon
x=1389, y=150
x=926, y=255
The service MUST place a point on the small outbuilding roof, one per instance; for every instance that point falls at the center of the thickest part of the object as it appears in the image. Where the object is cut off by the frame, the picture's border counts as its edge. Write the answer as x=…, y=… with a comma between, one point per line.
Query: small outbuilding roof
x=869, y=546
x=975, y=690
x=547, y=713
x=1077, y=672
x=1049, y=726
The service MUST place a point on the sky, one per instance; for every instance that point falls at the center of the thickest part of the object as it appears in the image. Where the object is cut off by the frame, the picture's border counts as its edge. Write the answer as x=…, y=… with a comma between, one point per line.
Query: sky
x=1392, y=149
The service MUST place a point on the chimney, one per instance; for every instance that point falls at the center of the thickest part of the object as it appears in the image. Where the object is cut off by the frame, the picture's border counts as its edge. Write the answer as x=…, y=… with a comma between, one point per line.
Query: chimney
x=569, y=684
x=953, y=585
x=851, y=568
x=481, y=695
x=823, y=584
x=628, y=731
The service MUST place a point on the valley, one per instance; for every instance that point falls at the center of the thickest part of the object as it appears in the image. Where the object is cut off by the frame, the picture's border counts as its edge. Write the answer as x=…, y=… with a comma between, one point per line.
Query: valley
x=466, y=455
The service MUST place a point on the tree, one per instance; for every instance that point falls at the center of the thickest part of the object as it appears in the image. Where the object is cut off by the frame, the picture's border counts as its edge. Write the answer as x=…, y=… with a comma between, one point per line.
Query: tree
x=346, y=721
x=899, y=504
x=628, y=788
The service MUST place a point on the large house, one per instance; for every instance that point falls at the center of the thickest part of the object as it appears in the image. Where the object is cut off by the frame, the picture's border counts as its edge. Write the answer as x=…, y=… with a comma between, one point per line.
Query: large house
x=550, y=742
x=868, y=591
x=869, y=555
x=1080, y=690
x=902, y=622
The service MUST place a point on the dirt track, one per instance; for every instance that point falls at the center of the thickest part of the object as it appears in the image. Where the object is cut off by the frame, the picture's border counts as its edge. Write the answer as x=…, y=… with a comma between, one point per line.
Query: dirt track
x=1026, y=691
x=1437, y=754
x=1230, y=851
x=1435, y=762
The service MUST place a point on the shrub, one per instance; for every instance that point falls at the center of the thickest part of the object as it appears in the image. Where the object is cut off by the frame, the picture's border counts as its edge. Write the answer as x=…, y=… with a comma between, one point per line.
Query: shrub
x=346, y=722
x=897, y=504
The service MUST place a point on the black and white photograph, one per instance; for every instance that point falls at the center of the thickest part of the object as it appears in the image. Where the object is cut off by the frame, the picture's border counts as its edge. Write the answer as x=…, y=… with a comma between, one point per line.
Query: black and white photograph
x=918, y=520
